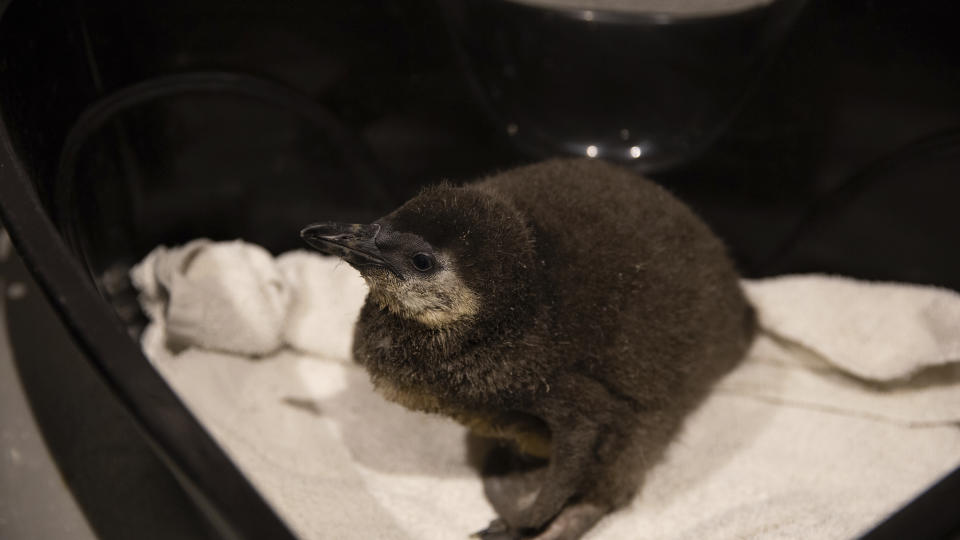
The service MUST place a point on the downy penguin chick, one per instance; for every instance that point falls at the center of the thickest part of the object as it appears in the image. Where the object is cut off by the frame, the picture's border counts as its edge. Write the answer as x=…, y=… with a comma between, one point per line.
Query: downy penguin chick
x=569, y=306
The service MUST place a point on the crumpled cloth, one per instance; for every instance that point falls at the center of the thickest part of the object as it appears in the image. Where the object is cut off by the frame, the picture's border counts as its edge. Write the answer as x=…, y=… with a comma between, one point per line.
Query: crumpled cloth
x=235, y=297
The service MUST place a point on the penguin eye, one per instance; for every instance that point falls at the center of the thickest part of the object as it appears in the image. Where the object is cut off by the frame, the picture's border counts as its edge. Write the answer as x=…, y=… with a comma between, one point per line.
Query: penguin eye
x=423, y=261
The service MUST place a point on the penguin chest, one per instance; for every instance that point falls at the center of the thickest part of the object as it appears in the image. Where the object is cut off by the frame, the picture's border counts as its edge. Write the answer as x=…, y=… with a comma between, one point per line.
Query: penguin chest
x=411, y=398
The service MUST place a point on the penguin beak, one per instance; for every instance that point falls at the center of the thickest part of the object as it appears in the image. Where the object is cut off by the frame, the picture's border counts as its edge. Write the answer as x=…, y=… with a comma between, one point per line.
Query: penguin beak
x=354, y=243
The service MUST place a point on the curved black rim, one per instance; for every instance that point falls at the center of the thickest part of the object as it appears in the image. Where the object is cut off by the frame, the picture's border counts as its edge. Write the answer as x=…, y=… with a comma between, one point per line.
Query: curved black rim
x=234, y=506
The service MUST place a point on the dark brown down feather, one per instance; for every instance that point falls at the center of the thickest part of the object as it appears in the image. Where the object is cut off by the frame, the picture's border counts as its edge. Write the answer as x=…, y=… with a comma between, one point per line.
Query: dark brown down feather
x=606, y=309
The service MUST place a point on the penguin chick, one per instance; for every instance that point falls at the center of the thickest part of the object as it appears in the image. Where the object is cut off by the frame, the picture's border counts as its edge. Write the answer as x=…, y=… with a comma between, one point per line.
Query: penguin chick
x=571, y=307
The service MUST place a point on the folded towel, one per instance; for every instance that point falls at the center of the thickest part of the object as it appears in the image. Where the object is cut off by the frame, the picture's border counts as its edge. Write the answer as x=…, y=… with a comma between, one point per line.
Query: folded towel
x=820, y=433
x=234, y=297
x=226, y=296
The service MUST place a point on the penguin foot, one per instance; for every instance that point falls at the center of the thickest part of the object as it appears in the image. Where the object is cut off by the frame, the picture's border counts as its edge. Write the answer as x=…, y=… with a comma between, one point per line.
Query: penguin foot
x=498, y=530
x=572, y=522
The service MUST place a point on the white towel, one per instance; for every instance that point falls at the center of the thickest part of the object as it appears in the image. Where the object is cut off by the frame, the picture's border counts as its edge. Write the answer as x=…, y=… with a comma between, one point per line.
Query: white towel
x=844, y=410
x=227, y=296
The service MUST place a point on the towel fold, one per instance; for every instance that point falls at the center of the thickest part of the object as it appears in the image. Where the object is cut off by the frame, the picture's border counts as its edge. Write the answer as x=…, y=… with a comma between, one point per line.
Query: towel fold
x=234, y=297
x=847, y=406
x=226, y=296
x=328, y=282
x=874, y=331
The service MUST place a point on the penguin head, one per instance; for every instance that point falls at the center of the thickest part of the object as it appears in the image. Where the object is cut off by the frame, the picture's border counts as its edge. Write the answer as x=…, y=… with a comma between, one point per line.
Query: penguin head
x=449, y=255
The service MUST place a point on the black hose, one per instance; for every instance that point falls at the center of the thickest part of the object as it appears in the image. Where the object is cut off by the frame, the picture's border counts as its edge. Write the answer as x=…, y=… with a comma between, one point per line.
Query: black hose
x=351, y=147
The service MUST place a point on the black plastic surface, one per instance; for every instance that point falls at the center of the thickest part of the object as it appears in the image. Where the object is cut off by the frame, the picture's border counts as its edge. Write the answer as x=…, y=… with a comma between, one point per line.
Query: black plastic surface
x=123, y=489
